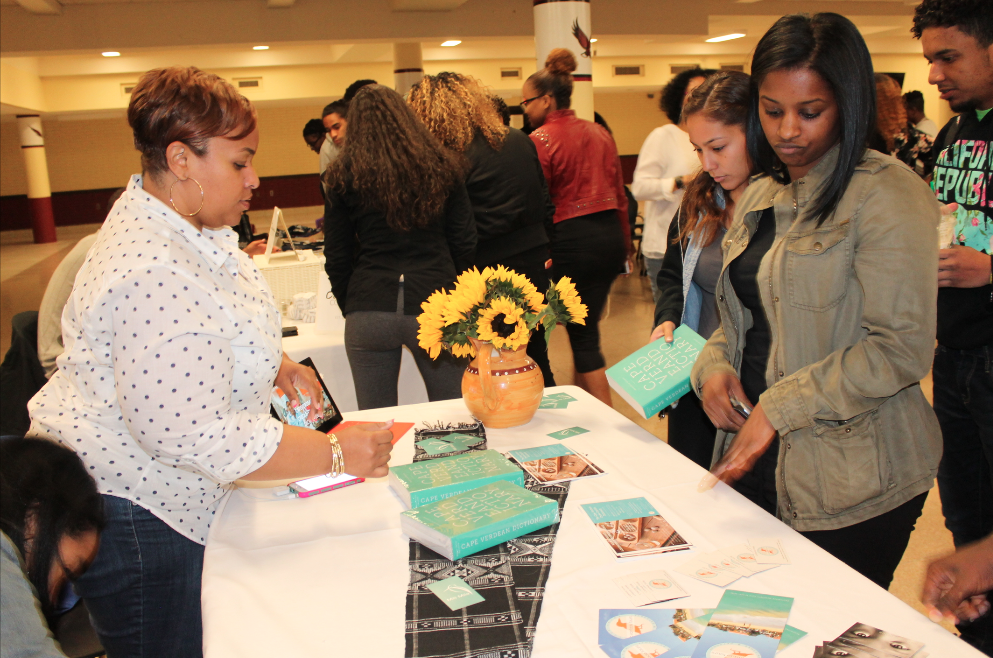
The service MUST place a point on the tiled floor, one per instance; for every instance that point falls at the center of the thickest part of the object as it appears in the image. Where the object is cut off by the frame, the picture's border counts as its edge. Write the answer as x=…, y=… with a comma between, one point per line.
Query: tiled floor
x=26, y=267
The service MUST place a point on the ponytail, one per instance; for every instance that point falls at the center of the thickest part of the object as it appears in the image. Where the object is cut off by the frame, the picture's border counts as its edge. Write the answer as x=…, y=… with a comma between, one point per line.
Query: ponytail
x=556, y=78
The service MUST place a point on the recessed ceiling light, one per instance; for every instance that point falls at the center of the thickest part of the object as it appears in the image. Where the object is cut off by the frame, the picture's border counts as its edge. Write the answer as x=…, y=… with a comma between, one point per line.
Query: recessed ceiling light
x=593, y=40
x=453, y=42
x=726, y=37
x=111, y=53
x=260, y=47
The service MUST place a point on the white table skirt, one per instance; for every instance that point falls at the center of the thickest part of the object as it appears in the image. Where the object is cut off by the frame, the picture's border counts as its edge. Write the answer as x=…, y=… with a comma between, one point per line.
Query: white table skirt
x=328, y=353
x=327, y=576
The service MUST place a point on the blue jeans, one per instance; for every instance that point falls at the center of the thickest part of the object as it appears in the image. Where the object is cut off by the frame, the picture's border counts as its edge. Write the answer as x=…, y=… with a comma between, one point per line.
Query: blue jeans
x=652, y=267
x=963, y=402
x=143, y=589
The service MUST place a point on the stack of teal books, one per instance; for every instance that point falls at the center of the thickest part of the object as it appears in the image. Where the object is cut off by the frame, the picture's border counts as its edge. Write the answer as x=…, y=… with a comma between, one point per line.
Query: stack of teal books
x=658, y=374
x=478, y=519
x=432, y=480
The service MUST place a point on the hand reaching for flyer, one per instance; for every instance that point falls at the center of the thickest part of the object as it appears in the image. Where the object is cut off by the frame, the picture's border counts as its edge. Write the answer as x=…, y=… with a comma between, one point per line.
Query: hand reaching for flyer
x=751, y=442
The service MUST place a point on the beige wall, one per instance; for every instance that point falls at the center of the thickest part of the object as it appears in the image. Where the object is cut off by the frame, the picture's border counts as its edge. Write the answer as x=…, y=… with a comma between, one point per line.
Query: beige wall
x=98, y=153
x=94, y=154
x=631, y=116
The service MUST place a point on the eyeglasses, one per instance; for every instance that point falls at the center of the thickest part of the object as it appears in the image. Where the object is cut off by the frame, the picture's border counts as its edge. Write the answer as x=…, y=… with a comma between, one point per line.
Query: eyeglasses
x=524, y=103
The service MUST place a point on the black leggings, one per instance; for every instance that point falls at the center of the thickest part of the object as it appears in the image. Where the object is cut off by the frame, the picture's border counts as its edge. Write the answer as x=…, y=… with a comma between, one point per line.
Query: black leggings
x=590, y=251
x=873, y=547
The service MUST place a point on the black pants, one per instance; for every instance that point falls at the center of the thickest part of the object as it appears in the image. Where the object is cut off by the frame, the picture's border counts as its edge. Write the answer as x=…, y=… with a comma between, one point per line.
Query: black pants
x=963, y=402
x=690, y=431
x=531, y=264
x=873, y=547
x=590, y=251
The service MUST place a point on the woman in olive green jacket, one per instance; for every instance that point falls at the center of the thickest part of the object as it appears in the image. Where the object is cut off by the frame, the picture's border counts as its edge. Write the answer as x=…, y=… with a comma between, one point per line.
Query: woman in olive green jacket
x=827, y=300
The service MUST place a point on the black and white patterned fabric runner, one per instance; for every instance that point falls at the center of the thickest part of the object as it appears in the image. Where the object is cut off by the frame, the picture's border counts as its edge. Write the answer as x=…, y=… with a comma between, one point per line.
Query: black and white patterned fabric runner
x=510, y=577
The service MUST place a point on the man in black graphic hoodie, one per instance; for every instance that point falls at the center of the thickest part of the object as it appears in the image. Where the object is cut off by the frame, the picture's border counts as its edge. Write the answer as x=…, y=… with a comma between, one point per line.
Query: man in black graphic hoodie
x=957, y=38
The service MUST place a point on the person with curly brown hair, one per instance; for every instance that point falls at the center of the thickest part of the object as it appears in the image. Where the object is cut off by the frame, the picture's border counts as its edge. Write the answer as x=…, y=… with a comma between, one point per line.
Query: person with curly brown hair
x=400, y=227
x=894, y=134
x=506, y=186
x=591, y=238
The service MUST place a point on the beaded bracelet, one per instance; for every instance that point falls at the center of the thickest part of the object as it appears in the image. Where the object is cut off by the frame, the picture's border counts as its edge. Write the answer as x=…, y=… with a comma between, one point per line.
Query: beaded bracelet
x=337, y=457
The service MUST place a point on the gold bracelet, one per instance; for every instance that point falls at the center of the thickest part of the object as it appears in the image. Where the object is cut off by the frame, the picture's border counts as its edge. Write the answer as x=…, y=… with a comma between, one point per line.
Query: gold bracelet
x=337, y=458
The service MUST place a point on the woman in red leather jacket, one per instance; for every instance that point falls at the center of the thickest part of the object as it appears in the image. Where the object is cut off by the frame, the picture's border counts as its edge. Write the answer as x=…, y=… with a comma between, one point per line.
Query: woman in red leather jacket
x=592, y=238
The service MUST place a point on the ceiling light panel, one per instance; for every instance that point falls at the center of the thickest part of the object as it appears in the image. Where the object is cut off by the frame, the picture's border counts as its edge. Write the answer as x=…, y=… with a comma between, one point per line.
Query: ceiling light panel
x=725, y=37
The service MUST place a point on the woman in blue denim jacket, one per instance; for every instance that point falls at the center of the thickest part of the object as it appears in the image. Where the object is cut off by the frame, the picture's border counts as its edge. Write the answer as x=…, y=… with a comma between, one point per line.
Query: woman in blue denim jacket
x=714, y=116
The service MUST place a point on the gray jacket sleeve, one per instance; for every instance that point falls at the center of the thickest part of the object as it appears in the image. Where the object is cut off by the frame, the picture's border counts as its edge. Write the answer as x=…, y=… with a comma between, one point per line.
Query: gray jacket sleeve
x=22, y=626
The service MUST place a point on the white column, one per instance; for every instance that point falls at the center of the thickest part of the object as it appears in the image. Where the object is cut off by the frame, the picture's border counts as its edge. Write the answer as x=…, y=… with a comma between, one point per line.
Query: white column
x=36, y=168
x=566, y=24
x=408, y=68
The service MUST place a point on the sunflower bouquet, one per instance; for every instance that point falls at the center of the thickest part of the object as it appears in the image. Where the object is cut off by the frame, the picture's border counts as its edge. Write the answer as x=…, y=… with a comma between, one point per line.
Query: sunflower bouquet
x=497, y=306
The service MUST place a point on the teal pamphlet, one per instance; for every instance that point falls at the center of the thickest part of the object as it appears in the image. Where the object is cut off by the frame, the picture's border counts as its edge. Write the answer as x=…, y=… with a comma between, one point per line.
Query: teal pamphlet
x=659, y=373
x=435, y=479
x=477, y=519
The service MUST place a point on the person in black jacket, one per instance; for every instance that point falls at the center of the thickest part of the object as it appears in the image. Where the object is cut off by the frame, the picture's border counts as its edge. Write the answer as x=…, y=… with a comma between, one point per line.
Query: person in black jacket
x=506, y=186
x=400, y=227
x=714, y=117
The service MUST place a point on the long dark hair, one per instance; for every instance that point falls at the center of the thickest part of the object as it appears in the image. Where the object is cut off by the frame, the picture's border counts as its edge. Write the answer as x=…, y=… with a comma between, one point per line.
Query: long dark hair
x=44, y=480
x=392, y=162
x=723, y=97
x=830, y=45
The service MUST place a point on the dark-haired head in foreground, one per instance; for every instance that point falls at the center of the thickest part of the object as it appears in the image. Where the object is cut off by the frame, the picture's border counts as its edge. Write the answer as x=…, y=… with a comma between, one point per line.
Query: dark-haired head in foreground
x=51, y=511
x=812, y=88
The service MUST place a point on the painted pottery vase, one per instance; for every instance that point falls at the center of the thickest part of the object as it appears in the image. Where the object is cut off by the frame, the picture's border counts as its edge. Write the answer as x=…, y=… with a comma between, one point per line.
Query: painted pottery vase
x=502, y=388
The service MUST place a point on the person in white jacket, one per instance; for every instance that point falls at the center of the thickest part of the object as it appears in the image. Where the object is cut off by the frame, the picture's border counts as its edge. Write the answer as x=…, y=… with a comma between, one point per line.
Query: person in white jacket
x=665, y=164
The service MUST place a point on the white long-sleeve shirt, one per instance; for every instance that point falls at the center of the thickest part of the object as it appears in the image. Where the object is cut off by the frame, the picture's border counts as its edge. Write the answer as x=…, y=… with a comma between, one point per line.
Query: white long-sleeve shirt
x=172, y=344
x=665, y=155
x=329, y=153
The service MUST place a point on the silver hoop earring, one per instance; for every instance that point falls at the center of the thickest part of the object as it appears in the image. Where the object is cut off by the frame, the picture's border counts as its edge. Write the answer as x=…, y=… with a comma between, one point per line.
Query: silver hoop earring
x=192, y=214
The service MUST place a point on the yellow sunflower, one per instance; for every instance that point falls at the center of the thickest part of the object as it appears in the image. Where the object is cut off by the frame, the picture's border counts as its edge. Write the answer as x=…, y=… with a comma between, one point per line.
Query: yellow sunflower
x=463, y=350
x=501, y=273
x=457, y=308
x=471, y=285
x=534, y=298
x=570, y=299
x=502, y=324
x=430, y=323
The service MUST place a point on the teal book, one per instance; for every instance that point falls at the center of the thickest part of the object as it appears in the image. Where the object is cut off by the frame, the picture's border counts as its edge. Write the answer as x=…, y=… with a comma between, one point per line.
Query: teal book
x=658, y=374
x=432, y=480
x=478, y=519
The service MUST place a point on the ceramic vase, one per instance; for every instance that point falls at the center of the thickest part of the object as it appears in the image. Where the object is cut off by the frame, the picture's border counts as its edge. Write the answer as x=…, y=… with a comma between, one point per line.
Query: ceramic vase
x=502, y=388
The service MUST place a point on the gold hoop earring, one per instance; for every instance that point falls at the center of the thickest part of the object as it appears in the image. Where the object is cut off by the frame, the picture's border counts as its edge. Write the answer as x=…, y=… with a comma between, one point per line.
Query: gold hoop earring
x=192, y=214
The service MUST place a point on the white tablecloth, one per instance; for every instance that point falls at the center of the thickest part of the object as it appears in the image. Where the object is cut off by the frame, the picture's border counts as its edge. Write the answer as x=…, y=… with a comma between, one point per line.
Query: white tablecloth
x=328, y=353
x=327, y=576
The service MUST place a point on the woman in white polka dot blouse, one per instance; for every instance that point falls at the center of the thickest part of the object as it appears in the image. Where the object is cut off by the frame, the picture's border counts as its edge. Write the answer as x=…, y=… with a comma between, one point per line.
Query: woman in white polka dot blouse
x=172, y=347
